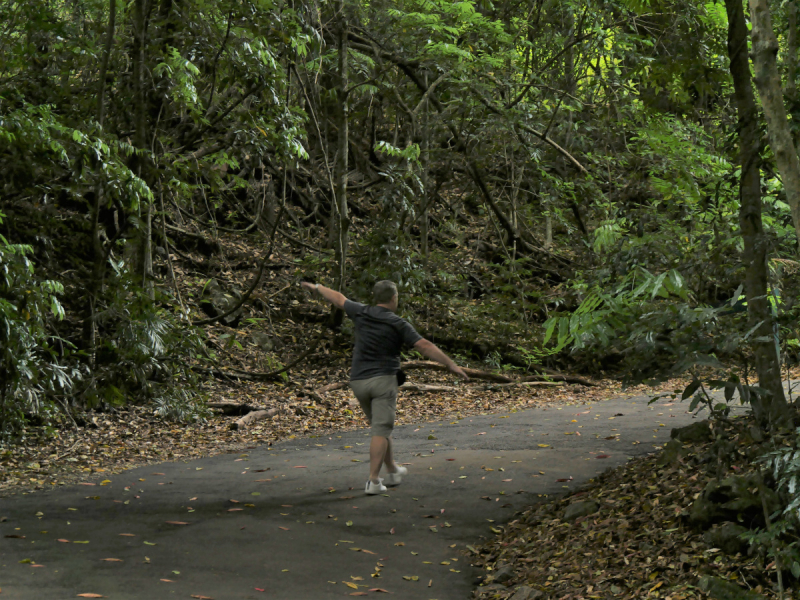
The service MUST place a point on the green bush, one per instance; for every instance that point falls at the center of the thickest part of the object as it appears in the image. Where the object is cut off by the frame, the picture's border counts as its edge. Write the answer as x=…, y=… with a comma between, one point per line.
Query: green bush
x=32, y=375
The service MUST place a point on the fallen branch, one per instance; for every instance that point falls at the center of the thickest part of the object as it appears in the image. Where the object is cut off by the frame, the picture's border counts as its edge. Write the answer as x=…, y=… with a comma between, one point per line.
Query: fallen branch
x=547, y=376
x=332, y=386
x=421, y=387
x=231, y=408
x=68, y=452
x=494, y=386
x=555, y=376
x=474, y=373
x=318, y=394
x=258, y=415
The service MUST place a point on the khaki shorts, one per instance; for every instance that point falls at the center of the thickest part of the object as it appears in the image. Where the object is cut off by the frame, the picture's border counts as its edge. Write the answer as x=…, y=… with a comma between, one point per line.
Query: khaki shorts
x=378, y=398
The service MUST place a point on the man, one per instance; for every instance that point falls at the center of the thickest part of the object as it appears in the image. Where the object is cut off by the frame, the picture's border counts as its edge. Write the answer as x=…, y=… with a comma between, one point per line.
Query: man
x=380, y=336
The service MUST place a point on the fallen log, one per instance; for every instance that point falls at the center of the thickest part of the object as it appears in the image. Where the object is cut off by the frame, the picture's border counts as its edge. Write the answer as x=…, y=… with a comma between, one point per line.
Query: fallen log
x=254, y=416
x=548, y=375
x=474, y=373
x=495, y=386
x=332, y=386
x=318, y=394
x=559, y=377
x=231, y=408
x=421, y=387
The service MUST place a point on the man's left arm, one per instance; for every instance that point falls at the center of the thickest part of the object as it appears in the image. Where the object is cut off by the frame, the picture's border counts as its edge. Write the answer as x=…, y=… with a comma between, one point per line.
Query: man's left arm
x=330, y=295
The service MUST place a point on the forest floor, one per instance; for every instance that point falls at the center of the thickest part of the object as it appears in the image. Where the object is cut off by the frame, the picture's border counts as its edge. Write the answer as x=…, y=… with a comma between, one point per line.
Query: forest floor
x=111, y=442
x=267, y=509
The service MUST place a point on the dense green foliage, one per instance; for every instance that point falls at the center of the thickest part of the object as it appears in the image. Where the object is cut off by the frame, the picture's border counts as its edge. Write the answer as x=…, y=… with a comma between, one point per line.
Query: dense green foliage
x=515, y=162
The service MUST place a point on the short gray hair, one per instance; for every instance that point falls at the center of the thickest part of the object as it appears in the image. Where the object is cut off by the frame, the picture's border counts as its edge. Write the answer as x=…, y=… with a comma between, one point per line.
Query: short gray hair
x=384, y=291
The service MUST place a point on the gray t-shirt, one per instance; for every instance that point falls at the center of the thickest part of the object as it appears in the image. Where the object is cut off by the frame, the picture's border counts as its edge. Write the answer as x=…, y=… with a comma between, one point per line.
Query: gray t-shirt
x=380, y=336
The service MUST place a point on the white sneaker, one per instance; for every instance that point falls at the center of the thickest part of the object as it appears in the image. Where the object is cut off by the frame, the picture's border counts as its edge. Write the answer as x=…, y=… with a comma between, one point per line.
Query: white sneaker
x=374, y=488
x=396, y=477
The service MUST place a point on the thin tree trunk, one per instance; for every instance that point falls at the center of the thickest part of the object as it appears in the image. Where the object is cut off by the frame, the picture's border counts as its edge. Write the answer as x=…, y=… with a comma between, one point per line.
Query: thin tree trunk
x=112, y=17
x=426, y=196
x=141, y=250
x=98, y=255
x=340, y=213
x=791, y=69
x=768, y=82
x=791, y=53
x=772, y=409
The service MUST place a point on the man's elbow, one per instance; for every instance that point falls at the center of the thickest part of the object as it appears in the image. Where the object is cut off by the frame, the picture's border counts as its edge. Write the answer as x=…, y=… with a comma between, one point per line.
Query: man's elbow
x=423, y=346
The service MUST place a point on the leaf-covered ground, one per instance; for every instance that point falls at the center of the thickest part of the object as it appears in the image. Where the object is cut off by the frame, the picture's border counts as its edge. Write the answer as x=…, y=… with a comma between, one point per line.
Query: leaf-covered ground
x=639, y=543
x=113, y=441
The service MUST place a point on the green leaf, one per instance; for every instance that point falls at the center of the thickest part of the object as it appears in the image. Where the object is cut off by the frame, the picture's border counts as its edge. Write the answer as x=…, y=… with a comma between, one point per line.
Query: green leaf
x=690, y=389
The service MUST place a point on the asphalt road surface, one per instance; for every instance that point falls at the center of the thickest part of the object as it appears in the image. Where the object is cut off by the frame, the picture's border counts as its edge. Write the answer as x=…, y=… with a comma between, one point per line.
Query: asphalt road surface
x=292, y=521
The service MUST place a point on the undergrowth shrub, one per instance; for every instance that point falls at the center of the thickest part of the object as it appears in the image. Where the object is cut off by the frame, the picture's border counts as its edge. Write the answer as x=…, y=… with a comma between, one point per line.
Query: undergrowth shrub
x=33, y=374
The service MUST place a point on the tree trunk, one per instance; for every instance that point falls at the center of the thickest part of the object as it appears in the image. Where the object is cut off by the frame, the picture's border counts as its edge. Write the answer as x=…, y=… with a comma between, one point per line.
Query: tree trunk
x=112, y=16
x=426, y=195
x=768, y=82
x=791, y=53
x=98, y=255
x=339, y=213
x=140, y=252
x=772, y=409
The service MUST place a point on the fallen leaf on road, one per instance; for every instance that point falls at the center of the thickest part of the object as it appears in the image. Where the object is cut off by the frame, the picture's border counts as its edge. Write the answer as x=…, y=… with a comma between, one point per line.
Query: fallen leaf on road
x=16, y=536
x=158, y=473
x=234, y=501
x=112, y=559
x=445, y=459
x=260, y=589
x=481, y=433
x=391, y=531
x=400, y=544
x=359, y=594
x=349, y=523
x=284, y=528
x=124, y=535
x=300, y=467
x=167, y=580
x=350, y=584
x=543, y=445
x=602, y=456
x=89, y=595
x=176, y=522
x=234, y=509
x=85, y=483
x=146, y=543
x=380, y=590
x=507, y=480
x=202, y=597
x=63, y=541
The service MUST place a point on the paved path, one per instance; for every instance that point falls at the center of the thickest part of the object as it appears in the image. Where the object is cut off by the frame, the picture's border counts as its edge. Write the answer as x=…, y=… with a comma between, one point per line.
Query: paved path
x=301, y=525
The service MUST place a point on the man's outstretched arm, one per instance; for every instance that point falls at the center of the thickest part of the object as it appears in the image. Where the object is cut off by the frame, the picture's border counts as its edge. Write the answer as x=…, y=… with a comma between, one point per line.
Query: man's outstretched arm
x=330, y=295
x=431, y=350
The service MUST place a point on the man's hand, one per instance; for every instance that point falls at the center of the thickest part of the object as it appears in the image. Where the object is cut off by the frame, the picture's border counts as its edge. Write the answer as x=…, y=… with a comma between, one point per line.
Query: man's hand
x=430, y=350
x=330, y=295
x=460, y=372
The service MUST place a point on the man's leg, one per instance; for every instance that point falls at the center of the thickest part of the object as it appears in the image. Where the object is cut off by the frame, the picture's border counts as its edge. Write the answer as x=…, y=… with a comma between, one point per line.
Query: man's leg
x=377, y=454
x=388, y=459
